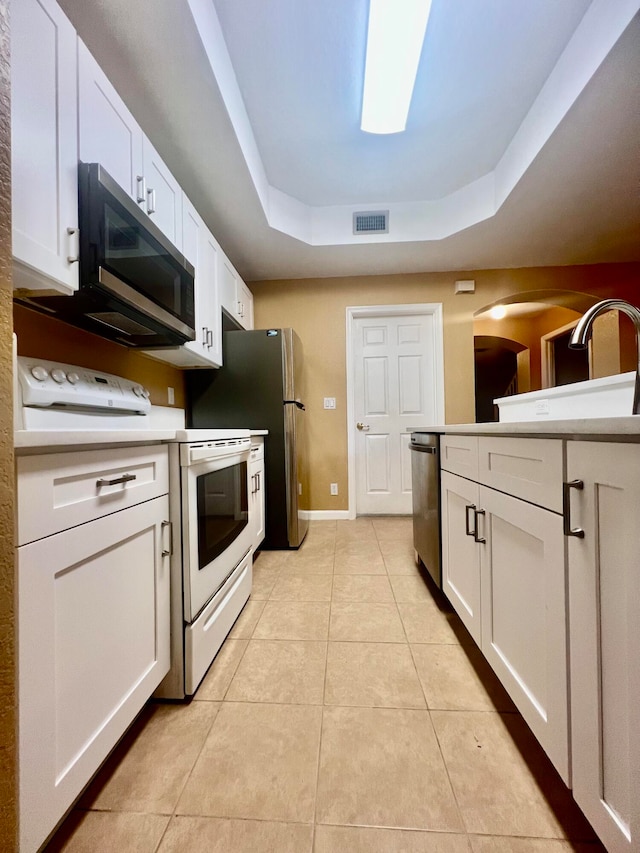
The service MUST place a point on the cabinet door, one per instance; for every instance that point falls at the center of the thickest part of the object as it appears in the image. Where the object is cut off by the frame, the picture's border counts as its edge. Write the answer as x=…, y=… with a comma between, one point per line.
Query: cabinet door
x=244, y=299
x=227, y=282
x=524, y=614
x=604, y=609
x=193, y=246
x=235, y=296
x=201, y=249
x=93, y=644
x=212, y=291
x=44, y=147
x=460, y=553
x=163, y=196
x=108, y=133
x=257, y=501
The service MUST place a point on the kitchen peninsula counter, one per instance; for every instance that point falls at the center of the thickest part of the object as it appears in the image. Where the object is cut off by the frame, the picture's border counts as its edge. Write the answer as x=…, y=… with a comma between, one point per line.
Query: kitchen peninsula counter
x=592, y=429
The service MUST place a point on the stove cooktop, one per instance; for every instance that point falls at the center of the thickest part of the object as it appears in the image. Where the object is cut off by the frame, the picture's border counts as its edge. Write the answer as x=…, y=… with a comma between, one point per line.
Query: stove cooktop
x=196, y=435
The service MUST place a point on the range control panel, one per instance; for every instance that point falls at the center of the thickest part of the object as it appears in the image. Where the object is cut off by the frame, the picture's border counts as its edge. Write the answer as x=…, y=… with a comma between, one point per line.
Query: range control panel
x=51, y=383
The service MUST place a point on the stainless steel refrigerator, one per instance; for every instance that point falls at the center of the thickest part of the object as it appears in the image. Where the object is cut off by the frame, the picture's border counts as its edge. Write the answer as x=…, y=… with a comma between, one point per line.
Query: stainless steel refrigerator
x=260, y=386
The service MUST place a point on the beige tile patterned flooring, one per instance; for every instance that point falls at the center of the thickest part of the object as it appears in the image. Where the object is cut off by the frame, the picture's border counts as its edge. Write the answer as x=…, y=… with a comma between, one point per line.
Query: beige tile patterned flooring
x=348, y=710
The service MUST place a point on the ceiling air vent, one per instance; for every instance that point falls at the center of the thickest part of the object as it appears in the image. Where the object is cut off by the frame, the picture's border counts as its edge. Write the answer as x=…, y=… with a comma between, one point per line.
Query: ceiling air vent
x=371, y=222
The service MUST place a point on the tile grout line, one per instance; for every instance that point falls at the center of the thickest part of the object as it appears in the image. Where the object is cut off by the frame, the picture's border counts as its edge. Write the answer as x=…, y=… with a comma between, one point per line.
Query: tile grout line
x=324, y=691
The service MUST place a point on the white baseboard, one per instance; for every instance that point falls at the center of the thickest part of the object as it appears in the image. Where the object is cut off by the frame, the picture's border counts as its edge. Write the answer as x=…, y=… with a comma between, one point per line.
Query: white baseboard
x=325, y=514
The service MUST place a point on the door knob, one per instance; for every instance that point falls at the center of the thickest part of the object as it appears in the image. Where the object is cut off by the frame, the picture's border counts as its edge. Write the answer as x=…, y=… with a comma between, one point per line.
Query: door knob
x=363, y=427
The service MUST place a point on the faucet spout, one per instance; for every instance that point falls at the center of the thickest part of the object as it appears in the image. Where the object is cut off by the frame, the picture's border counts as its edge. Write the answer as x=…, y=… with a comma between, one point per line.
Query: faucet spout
x=582, y=333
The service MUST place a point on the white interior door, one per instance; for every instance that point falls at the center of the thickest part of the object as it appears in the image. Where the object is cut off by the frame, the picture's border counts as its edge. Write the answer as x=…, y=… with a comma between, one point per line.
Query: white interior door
x=397, y=386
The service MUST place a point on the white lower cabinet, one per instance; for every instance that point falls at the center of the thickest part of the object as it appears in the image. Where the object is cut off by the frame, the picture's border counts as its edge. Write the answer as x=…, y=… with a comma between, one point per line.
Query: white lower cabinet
x=524, y=631
x=256, y=478
x=604, y=608
x=460, y=553
x=93, y=644
x=504, y=573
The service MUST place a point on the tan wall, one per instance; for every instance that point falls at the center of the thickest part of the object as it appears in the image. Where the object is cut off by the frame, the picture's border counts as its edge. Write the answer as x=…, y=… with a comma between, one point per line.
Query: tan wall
x=45, y=337
x=8, y=817
x=316, y=308
x=527, y=331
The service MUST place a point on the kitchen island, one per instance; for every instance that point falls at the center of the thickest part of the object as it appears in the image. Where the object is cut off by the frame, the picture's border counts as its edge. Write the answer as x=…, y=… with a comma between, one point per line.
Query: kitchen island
x=540, y=545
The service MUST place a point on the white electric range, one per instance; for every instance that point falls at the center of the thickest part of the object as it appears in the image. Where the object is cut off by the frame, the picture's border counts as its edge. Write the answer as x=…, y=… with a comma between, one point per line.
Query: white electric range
x=60, y=404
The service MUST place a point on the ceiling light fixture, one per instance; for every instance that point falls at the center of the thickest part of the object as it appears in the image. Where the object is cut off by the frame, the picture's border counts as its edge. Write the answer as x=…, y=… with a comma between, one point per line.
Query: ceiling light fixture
x=498, y=312
x=394, y=43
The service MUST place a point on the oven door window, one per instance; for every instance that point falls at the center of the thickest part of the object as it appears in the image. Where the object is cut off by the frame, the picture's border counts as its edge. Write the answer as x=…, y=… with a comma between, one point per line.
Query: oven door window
x=223, y=510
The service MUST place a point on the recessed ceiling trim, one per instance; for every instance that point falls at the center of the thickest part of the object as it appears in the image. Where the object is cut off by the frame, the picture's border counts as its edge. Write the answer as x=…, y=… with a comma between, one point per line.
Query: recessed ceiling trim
x=601, y=27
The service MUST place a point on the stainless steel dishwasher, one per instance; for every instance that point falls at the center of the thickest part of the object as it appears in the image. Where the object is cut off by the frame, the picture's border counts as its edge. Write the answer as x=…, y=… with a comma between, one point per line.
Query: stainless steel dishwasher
x=425, y=479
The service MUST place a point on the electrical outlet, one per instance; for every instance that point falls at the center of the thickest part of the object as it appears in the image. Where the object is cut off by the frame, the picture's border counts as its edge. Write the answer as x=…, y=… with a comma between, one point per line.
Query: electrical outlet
x=334, y=488
x=171, y=395
x=329, y=402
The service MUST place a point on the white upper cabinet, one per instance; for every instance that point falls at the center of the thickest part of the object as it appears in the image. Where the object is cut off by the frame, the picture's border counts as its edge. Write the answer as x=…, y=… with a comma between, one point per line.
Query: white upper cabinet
x=108, y=133
x=236, y=297
x=65, y=110
x=162, y=194
x=214, y=325
x=245, y=304
x=44, y=149
x=200, y=248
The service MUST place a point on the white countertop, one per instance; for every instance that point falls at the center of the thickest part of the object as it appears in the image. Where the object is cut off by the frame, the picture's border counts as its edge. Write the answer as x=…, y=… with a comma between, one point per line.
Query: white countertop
x=618, y=428
x=68, y=439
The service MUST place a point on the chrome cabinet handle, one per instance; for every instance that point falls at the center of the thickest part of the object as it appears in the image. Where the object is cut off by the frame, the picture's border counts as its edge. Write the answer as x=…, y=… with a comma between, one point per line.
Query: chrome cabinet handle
x=254, y=487
x=151, y=201
x=578, y=532
x=363, y=427
x=259, y=481
x=74, y=256
x=480, y=539
x=141, y=186
x=209, y=338
x=467, y=526
x=168, y=524
x=125, y=478
x=205, y=336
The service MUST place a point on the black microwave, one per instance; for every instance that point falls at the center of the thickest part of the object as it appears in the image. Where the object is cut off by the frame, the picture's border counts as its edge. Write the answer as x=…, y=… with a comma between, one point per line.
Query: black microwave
x=135, y=287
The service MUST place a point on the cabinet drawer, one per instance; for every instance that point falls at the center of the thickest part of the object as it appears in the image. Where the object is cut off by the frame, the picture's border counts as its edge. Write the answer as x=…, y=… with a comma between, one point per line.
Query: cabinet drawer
x=527, y=468
x=459, y=454
x=257, y=448
x=57, y=491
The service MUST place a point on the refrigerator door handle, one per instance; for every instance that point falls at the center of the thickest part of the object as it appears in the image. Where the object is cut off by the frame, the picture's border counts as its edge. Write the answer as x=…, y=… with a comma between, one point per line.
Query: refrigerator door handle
x=295, y=403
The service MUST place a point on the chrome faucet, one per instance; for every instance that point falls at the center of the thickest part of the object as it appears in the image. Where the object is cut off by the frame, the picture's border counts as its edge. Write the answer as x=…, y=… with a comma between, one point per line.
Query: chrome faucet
x=582, y=333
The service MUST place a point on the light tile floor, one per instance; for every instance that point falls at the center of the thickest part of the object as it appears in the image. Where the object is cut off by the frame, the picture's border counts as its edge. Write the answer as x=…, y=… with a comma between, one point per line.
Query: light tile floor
x=348, y=710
